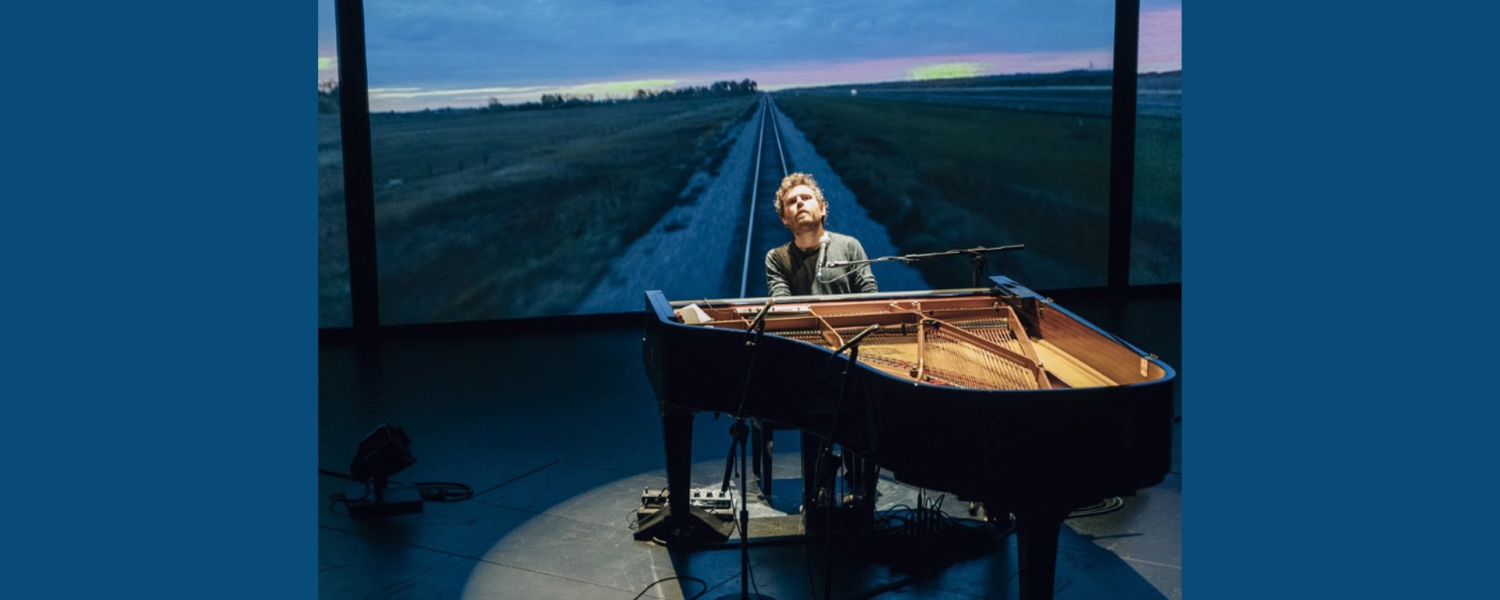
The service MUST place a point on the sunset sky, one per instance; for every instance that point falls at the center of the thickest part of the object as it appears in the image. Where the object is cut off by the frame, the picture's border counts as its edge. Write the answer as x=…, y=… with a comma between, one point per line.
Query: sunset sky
x=435, y=53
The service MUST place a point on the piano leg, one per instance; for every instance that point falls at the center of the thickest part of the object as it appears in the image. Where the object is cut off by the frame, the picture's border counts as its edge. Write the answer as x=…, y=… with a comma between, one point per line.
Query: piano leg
x=865, y=475
x=761, y=439
x=680, y=521
x=1037, y=529
x=812, y=515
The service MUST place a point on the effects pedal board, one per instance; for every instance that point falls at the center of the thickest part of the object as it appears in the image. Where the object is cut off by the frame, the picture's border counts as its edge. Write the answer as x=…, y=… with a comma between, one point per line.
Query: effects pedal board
x=718, y=503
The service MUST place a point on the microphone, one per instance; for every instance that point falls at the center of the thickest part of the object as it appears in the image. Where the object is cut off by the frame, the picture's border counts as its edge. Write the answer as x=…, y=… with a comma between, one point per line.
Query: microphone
x=822, y=252
x=856, y=339
x=760, y=319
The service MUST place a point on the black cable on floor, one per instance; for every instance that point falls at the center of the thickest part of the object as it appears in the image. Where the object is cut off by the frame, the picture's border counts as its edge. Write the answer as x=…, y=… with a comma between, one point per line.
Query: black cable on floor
x=1104, y=506
x=431, y=491
x=443, y=491
x=665, y=579
x=342, y=498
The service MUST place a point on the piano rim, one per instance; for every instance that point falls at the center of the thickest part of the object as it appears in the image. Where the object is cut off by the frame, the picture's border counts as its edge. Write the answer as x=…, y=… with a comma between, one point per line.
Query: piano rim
x=664, y=314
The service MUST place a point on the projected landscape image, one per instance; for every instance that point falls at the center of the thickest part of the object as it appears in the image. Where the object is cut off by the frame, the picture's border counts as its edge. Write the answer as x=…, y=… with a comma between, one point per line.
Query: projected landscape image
x=532, y=162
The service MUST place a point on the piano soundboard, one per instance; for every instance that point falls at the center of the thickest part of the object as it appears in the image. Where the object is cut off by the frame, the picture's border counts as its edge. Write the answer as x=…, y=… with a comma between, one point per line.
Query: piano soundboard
x=968, y=341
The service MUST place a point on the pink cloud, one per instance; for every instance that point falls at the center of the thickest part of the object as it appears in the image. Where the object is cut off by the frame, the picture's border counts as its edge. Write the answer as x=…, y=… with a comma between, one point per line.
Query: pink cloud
x=1161, y=41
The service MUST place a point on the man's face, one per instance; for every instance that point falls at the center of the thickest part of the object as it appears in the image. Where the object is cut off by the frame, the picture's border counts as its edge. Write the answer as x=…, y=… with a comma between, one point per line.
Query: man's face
x=800, y=210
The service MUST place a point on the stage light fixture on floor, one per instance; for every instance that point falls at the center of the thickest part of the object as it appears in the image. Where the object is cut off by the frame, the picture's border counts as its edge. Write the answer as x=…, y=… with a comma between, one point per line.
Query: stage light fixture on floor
x=383, y=453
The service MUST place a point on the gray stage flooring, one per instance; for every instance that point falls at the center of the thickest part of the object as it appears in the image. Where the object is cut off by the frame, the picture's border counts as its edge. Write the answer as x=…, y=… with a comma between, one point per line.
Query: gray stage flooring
x=558, y=434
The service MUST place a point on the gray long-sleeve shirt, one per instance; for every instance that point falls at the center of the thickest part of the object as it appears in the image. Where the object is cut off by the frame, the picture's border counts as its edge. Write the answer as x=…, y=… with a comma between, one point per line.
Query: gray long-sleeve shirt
x=792, y=272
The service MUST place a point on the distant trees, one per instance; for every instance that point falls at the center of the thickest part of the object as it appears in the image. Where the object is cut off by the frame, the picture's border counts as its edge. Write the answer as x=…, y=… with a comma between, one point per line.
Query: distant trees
x=328, y=97
x=566, y=100
x=556, y=101
x=718, y=88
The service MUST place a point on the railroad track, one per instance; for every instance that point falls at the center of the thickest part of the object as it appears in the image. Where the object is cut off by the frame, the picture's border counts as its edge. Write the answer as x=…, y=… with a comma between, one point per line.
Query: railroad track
x=763, y=230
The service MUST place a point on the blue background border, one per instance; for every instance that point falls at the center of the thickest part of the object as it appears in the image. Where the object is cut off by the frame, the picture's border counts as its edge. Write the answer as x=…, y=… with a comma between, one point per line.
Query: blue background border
x=1338, y=252
x=159, y=242
x=162, y=383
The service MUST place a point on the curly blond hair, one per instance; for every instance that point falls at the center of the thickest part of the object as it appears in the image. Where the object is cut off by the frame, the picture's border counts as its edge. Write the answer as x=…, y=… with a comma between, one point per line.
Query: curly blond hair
x=794, y=180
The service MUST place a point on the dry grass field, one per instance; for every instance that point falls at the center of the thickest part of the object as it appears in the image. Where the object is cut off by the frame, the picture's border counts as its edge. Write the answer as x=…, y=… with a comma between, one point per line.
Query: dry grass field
x=942, y=177
x=1156, y=246
x=486, y=215
x=333, y=242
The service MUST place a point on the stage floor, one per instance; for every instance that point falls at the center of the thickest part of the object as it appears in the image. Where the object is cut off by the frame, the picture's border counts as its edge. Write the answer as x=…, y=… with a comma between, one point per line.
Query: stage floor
x=558, y=434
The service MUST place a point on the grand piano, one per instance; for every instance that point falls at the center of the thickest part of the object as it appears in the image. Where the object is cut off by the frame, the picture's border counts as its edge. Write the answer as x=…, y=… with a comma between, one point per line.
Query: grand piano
x=991, y=394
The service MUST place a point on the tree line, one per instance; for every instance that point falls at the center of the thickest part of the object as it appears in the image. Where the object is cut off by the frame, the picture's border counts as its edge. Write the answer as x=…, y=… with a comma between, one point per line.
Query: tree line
x=328, y=97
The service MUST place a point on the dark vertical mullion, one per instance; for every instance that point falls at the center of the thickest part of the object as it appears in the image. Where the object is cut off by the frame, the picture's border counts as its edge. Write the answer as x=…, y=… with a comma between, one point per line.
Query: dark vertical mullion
x=1122, y=144
x=359, y=189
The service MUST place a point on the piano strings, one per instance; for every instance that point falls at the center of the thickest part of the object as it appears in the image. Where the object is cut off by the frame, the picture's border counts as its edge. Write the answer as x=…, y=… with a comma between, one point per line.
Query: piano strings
x=929, y=351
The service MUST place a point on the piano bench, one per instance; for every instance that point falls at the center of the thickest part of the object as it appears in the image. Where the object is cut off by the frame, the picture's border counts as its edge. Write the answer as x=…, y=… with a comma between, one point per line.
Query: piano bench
x=762, y=435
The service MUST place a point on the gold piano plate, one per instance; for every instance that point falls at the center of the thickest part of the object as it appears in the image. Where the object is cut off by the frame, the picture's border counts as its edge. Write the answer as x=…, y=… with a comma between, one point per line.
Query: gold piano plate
x=975, y=341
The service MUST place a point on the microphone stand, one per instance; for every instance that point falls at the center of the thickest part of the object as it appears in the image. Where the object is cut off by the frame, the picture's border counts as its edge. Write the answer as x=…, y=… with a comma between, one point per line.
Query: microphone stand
x=976, y=257
x=738, y=433
x=853, y=347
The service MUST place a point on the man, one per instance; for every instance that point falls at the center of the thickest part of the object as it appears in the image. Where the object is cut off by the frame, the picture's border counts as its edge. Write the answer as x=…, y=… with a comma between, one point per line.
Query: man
x=792, y=269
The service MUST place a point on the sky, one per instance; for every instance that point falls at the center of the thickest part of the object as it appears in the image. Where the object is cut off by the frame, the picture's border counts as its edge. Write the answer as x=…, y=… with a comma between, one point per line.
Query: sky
x=459, y=53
